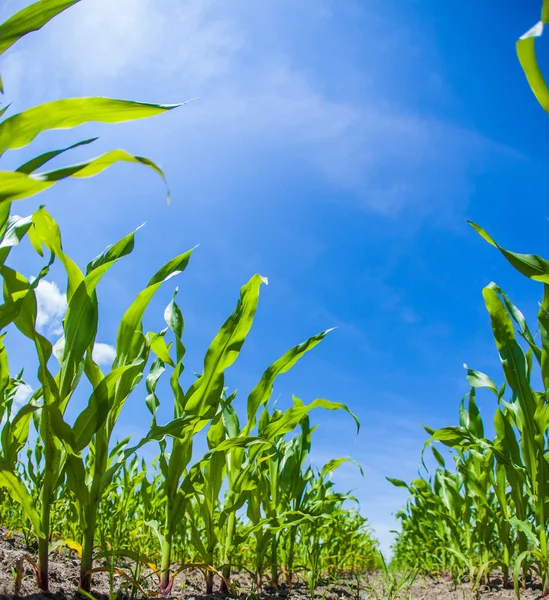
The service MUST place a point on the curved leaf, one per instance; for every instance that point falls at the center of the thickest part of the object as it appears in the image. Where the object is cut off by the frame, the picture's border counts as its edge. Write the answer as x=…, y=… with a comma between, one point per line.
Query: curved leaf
x=293, y=416
x=16, y=186
x=21, y=129
x=19, y=493
x=31, y=18
x=204, y=395
x=131, y=321
x=526, y=52
x=39, y=161
x=530, y=265
x=263, y=390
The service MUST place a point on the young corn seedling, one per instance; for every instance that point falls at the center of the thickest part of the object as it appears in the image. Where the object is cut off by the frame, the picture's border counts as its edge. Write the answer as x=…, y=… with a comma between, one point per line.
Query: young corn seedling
x=196, y=407
x=63, y=444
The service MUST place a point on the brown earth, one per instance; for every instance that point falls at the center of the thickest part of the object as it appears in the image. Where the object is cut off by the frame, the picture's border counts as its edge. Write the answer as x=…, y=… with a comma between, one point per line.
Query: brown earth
x=189, y=585
x=427, y=588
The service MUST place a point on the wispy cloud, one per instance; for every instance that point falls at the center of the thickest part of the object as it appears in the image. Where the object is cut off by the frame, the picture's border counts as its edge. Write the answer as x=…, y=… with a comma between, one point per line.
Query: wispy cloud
x=51, y=307
x=255, y=92
x=22, y=394
x=104, y=354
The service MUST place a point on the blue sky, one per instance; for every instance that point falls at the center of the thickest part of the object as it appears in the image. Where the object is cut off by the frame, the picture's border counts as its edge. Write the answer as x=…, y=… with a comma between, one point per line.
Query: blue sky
x=336, y=148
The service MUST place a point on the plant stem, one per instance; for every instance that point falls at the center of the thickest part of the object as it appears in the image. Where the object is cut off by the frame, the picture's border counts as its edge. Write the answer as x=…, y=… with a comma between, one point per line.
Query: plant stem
x=227, y=555
x=166, y=562
x=43, y=542
x=88, y=536
x=274, y=559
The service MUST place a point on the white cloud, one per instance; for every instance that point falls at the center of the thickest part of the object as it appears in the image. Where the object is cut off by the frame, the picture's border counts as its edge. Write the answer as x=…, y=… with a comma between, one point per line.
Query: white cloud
x=257, y=91
x=192, y=38
x=52, y=306
x=22, y=394
x=104, y=354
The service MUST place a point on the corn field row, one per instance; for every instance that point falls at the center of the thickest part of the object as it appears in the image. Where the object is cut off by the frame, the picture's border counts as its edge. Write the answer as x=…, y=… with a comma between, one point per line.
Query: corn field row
x=486, y=507
x=252, y=502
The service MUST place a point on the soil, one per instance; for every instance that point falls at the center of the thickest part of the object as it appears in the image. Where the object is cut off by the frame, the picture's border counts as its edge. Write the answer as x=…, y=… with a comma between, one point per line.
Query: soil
x=428, y=588
x=189, y=585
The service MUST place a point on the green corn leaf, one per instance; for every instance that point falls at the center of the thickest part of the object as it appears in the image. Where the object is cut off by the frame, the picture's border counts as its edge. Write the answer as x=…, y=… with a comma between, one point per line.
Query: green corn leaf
x=19, y=493
x=235, y=443
x=204, y=395
x=454, y=437
x=128, y=382
x=39, y=161
x=397, y=482
x=479, y=380
x=131, y=321
x=160, y=348
x=460, y=555
x=214, y=473
x=4, y=367
x=80, y=325
x=155, y=526
x=541, y=416
x=335, y=463
x=94, y=166
x=263, y=390
x=16, y=186
x=526, y=528
x=519, y=319
x=506, y=435
x=76, y=479
x=543, y=324
x=526, y=52
x=521, y=562
x=174, y=320
x=511, y=354
x=5, y=208
x=230, y=418
x=530, y=265
x=438, y=457
x=152, y=402
x=17, y=433
x=45, y=232
x=293, y=416
x=177, y=428
x=32, y=18
x=15, y=230
x=108, y=257
x=101, y=402
x=21, y=129
x=471, y=417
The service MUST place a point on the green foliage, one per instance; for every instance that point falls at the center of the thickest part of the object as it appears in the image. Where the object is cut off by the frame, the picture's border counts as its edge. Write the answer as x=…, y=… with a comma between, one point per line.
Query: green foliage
x=100, y=495
x=491, y=509
x=251, y=501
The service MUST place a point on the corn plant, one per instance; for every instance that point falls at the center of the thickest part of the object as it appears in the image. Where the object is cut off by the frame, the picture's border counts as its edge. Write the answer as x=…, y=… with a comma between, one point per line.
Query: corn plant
x=495, y=512
x=63, y=444
x=502, y=484
x=80, y=488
